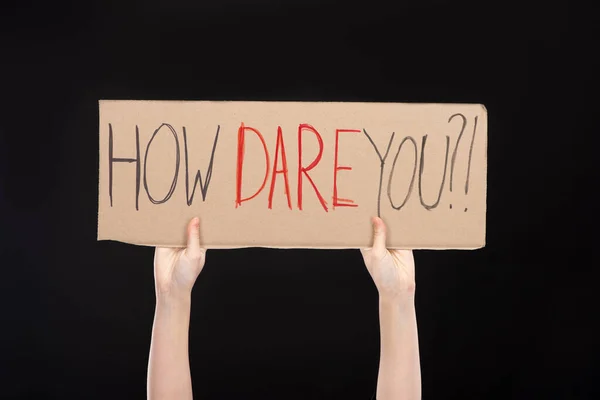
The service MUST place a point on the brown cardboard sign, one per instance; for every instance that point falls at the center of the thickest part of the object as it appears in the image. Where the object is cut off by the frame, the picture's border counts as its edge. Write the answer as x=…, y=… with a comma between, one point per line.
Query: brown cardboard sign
x=293, y=174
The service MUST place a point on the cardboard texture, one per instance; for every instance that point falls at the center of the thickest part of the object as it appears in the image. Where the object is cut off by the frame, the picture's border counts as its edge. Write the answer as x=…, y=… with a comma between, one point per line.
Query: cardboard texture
x=293, y=174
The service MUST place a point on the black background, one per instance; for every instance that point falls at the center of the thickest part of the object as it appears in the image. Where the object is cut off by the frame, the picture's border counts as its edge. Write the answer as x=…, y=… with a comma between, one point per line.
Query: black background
x=511, y=321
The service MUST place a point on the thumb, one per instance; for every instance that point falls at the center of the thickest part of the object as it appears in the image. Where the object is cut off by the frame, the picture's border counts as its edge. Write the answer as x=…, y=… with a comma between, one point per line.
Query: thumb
x=379, y=236
x=193, y=238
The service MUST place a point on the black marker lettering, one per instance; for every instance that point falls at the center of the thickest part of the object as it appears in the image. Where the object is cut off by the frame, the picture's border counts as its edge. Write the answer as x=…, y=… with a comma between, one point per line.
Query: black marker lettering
x=462, y=130
x=112, y=159
x=174, y=183
x=198, y=179
x=382, y=160
x=412, y=180
x=422, y=166
x=470, y=155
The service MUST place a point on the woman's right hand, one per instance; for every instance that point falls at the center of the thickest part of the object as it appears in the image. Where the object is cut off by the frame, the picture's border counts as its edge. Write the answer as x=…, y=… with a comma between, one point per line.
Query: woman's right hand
x=176, y=269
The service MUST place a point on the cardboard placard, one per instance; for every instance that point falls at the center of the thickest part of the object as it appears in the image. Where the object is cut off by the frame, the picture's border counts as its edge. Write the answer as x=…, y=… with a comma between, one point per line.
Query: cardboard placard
x=293, y=174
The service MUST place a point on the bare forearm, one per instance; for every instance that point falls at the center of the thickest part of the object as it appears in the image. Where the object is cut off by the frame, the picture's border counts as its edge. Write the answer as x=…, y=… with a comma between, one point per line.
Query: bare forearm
x=168, y=367
x=399, y=366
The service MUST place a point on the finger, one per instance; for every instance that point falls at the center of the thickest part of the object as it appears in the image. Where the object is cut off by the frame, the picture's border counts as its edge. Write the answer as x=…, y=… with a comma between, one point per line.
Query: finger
x=193, y=238
x=407, y=258
x=159, y=251
x=365, y=252
x=163, y=252
x=164, y=255
x=379, y=236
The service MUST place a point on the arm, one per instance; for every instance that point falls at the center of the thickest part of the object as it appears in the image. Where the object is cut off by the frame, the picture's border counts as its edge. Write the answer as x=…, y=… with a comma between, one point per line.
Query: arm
x=175, y=271
x=399, y=366
x=393, y=273
x=168, y=367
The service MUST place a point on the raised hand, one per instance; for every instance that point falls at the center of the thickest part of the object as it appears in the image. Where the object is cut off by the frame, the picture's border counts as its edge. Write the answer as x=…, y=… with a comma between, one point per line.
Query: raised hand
x=176, y=269
x=393, y=271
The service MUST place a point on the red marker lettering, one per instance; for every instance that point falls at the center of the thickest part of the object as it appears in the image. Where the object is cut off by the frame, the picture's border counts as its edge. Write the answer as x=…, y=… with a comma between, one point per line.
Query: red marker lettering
x=305, y=170
x=240, y=163
x=283, y=171
x=338, y=202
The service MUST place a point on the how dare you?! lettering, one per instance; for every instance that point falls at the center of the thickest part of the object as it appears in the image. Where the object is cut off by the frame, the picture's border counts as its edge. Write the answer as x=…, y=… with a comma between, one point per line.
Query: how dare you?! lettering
x=398, y=146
